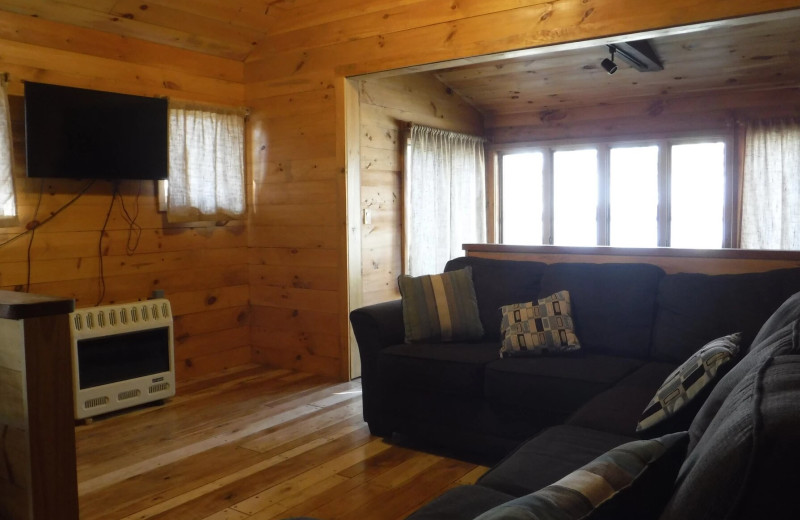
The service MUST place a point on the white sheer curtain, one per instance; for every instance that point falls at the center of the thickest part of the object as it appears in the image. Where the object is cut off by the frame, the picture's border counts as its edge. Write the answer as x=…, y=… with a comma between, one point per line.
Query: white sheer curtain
x=771, y=185
x=206, y=164
x=8, y=207
x=445, y=197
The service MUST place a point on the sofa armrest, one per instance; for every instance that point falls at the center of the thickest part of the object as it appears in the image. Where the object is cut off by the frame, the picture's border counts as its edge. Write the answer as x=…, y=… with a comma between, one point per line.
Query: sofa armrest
x=376, y=327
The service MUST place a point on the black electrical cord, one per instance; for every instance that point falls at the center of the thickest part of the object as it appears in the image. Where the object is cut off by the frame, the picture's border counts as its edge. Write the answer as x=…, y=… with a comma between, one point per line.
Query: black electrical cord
x=33, y=233
x=133, y=227
x=100, y=246
x=35, y=225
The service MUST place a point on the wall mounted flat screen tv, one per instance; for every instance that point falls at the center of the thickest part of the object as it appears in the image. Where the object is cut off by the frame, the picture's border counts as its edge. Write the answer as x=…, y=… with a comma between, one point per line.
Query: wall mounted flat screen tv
x=87, y=134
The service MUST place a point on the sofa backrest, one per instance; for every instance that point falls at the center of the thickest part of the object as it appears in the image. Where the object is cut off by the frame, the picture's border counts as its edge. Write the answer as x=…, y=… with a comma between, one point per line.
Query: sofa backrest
x=743, y=456
x=693, y=309
x=498, y=283
x=779, y=338
x=613, y=305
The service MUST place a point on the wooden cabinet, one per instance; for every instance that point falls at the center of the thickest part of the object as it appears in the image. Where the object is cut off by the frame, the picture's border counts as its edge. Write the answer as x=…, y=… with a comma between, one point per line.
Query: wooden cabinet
x=38, y=479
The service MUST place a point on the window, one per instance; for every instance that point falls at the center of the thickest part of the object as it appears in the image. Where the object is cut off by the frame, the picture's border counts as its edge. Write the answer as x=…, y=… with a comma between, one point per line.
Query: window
x=664, y=193
x=697, y=195
x=633, y=197
x=206, y=164
x=523, y=197
x=8, y=208
x=575, y=210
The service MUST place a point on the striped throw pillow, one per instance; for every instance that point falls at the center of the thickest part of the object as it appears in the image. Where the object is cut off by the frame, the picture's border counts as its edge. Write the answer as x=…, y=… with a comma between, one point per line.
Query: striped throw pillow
x=540, y=327
x=634, y=480
x=441, y=307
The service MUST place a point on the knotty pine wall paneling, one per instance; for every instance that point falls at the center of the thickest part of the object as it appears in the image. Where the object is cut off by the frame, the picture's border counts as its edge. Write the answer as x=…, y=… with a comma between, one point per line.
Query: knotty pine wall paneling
x=702, y=112
x=294, y=230
x=386, y=105
x=202, y=268
x=294, y=142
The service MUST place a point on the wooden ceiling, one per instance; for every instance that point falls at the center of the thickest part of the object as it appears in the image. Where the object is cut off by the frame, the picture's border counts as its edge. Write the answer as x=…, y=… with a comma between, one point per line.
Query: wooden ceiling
x=758, y=56
x=753, y=56
x=232, y=29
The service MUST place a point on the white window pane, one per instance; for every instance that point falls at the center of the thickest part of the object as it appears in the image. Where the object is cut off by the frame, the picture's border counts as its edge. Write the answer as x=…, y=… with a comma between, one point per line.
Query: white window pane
x=575, y=197
x=634, y=197
x=698, y=192
x=522, y=199
x=8, y=207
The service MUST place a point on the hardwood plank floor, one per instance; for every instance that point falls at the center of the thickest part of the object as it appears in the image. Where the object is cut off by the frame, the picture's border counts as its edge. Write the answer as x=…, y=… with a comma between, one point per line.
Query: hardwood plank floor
x=254, y=443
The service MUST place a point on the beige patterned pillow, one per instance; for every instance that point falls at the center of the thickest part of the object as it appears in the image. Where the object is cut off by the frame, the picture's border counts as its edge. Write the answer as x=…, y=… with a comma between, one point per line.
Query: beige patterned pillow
x=540, y=327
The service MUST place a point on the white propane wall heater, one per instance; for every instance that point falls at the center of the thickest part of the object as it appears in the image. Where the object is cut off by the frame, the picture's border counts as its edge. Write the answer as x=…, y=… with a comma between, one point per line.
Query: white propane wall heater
x=122, y=356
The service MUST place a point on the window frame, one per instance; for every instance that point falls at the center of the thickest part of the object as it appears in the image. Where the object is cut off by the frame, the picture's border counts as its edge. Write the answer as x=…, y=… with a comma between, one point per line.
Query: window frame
x=664, y=142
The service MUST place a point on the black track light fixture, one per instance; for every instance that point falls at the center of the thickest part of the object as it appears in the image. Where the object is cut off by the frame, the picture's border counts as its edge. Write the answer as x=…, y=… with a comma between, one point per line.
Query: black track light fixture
x=608, y=64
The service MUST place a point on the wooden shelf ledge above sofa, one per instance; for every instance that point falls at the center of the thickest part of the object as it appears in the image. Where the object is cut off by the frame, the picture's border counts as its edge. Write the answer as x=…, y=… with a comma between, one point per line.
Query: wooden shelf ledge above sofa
x=671, y=260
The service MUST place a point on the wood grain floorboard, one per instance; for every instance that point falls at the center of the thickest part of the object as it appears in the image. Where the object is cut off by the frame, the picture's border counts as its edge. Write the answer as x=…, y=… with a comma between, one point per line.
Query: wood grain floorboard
x=254, y=443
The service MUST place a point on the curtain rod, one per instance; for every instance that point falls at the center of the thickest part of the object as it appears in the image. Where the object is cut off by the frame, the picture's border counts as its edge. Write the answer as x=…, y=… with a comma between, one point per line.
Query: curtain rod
x=408, y=125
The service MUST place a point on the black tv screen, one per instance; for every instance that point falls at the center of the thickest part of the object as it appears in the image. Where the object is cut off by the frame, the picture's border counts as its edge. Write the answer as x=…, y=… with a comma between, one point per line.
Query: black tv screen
x=87, y=134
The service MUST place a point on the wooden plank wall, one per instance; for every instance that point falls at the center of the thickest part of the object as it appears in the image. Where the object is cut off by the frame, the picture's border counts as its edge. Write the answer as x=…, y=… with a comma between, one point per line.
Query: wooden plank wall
x=703, y=112
x=202, y=269
x=294, y=250
x=386, y=106
x=298, y=134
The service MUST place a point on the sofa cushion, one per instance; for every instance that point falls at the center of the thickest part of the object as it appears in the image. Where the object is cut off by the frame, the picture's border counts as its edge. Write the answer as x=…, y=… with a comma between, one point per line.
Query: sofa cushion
x=772, y=479
x=440, y=307
x=618, y=409
x=541, y=327
x=629, y=481
x=461, y=502
x=498, y=283
x=547, y=457
x=557, y=384
x=693, y=309
x=745, y=465
x=680, y=396
x=613, y=305
x=451, y=368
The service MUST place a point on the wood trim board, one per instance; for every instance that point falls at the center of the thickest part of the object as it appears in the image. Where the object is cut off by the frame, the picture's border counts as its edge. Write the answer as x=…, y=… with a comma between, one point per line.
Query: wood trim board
x=672, y=260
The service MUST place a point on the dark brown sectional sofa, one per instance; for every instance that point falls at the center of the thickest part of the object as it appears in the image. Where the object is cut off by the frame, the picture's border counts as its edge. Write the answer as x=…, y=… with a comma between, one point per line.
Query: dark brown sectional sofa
x=548, y=416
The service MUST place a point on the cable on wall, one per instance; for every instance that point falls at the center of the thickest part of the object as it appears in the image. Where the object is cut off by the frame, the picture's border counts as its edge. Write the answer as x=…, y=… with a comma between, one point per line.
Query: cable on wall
x=33, y=233
x=102, y=281
x=35, y=225
x=134, y=229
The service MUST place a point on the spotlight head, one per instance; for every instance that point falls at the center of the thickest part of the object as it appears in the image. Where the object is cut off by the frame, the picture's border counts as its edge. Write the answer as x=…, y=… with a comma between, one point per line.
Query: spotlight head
x=609, y=66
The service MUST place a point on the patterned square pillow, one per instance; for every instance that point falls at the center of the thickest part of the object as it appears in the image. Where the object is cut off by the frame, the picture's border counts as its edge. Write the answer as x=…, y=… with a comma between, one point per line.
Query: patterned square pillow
x=441, y=307
x=634, y=480
x=680, y=396
x=540, y=327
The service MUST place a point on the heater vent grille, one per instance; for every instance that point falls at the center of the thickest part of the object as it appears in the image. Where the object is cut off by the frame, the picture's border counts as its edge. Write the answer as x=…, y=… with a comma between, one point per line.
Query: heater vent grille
x=128, y=394
x=160, y=387
x=94, y=403
x=120, y=316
